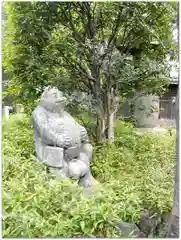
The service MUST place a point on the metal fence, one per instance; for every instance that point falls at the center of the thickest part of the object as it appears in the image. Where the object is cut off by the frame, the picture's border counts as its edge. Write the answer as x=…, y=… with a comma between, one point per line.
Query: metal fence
x=167, y=108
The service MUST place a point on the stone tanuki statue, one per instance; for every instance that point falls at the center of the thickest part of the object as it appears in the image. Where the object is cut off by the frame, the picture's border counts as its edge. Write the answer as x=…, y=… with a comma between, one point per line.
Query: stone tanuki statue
x=60, y=142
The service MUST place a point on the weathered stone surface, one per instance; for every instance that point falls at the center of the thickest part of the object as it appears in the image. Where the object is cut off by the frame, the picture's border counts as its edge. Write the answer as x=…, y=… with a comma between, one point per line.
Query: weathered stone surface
x=146, y=224
x=141, y=235
x=153, y=224
x=162, y=226
x=53, y=156
x=60, y=142
x=127, y=229
x=174, y=227
x=146, y=110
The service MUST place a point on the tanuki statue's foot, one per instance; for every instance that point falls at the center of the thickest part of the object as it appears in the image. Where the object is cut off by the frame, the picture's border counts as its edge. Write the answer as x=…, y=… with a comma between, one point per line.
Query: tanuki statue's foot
x=86, y=181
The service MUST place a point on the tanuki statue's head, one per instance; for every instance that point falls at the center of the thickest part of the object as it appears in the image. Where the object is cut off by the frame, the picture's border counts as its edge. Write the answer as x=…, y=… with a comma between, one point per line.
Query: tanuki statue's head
x=52, y=99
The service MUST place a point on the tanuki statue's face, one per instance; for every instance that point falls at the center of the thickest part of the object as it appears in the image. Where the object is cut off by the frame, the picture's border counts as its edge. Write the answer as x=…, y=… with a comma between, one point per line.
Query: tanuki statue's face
x=53, y=98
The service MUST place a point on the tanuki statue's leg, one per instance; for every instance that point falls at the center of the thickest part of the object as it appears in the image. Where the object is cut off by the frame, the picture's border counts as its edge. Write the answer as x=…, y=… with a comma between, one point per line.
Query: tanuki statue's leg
x=86, y=156
x=87, y=149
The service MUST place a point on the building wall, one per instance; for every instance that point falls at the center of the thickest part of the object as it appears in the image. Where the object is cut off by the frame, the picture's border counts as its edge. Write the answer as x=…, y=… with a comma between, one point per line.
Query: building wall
x=167, y=108
x=168, y=104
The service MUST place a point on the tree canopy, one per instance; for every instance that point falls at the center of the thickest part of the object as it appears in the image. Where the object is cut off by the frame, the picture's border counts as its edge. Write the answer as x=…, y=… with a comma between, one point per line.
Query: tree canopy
x=107, y=49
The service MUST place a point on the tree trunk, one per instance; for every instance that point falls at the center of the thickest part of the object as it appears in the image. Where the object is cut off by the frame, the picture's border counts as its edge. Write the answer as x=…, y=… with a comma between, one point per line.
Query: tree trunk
x=110, y=115
x=110, y=128
x=105, y=127
x=105, y=115
x=101, y=129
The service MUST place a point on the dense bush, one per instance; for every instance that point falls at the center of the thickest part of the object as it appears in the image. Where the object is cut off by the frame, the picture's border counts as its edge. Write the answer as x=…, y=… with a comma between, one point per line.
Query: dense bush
x=142, y=165
x=136, y=172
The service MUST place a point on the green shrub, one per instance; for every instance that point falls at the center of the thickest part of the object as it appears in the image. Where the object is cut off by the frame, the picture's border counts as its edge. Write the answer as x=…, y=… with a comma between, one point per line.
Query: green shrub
x=89, y=122
x=143, y=163
x=135, y=172
x=122, y=127
x=18, y=136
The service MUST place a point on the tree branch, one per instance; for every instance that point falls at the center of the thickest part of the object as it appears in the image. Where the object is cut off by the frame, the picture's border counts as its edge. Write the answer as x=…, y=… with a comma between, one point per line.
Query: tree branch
x=117, y=25
x=91, y=30
x=75, y=69
x=72, y=27
x=85, y=72
x=102, y=29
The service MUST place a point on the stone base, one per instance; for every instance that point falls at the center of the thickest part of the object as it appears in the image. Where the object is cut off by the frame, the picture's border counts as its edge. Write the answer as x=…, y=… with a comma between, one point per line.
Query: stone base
x=53, y=156
x=150, y=226
x=59, y=173
x=155, y=130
